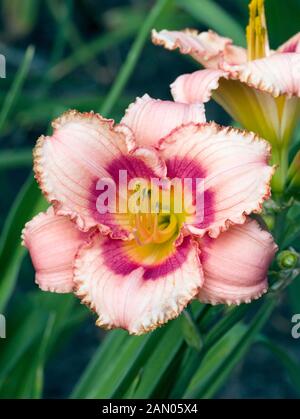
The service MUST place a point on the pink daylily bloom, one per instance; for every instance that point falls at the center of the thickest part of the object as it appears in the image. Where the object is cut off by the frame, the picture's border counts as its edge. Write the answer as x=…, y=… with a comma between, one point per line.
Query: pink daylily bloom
x=258, y=87
x=137, y=271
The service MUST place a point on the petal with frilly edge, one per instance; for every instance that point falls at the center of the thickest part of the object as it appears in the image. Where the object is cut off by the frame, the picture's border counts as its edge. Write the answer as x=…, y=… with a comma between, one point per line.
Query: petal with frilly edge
x=247, y=94
x=134, y=294
x=83, y=149
x=235, y=265
x=291, y=45
x=278, y=74
x=69, y=163
x=196, y=87
x=255, y=110
x=208, y=48
x=52, y=242
x=234, y=168
x=152, y=119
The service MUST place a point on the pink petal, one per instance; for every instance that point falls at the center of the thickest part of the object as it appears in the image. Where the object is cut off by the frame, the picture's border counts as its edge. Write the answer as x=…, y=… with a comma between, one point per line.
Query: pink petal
x=292, y=45
x=151, y=119
x=234, y=166
x=208, y=48
x=196, y=87
x=69, y=163
x=278, y=74
x=52, y=242
x=84, y=149
x=136, y=296
x=235, y=264
x=246, y=93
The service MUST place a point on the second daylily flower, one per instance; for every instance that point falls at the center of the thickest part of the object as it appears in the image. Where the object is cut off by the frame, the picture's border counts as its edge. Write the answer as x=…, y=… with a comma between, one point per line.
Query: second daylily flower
x=258, y=87
x=137, y=271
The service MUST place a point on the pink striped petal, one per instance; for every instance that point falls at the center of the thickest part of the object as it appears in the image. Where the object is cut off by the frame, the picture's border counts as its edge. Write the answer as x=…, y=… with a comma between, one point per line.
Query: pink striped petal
x=278, y=74
x=196, y=87
x=69, y=163
x=291, y=45
x=246, y=93
x=52, y=242
x=136, y=296
x=235, y=264
x=208, y=48
x=234, y=166
x=151, y=119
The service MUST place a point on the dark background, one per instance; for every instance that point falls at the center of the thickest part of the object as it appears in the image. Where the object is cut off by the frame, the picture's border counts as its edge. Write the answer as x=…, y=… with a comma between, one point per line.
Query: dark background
x=67, y=73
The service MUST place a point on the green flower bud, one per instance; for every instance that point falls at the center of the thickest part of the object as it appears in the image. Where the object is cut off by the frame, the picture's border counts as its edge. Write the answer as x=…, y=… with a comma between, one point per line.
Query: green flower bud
x=287, y=259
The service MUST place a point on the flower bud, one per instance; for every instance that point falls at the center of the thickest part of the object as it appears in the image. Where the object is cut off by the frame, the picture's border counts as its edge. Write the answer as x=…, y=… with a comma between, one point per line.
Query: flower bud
x=288, y=259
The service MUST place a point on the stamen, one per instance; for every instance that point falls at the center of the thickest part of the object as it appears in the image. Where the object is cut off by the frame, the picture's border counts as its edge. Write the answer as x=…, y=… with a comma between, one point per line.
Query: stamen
x=153, y=227
x=256, y=31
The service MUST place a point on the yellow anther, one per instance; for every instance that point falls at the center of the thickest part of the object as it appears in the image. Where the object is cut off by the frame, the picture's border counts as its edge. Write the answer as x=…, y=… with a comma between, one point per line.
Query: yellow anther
x=256, y=32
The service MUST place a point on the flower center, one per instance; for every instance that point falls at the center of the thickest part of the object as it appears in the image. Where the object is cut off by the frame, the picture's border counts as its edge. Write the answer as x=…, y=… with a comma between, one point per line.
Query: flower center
x=155, y=228
x=256, y=32
x=157, y=222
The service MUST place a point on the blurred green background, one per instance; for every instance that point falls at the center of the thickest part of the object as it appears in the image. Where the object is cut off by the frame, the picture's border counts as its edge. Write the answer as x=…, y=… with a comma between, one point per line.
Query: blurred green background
x=68, y=54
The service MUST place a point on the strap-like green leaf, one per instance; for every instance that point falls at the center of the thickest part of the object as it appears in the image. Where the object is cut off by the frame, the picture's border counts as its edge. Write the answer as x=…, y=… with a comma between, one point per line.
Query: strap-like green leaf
x=16, y=86
x=209, y=387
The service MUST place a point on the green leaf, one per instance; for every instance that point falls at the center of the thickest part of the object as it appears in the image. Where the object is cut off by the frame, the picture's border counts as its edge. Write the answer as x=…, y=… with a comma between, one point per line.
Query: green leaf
x=27, y=203
x=33, y=383
x=215, y=356
x=16, y=86
x=160, y=360
x=117, y=367
x=190, y=331
x=90, y=50
x=15, y=159
x=208, y=388
x=290, y=364
x=103, y=357
x=133, y=56
x=19, y=338
x=215, y=17
x=212, y=333
x=39, y=323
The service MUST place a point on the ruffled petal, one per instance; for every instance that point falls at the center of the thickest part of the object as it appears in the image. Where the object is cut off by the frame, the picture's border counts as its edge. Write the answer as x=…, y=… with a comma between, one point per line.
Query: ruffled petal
x=52, y=242
x=234, y=168
x=136, y=296
x=208, y=48
x=263, y=95
x=291, y=45
x=68, y=164
x=235, y=265
x=196, y=87
x=252, y=105
x=278, y=74
x=152, y=119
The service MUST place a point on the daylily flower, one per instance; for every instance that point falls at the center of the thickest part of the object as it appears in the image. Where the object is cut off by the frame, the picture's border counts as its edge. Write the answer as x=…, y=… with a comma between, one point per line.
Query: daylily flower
x=138, y=270
x=258, y=87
